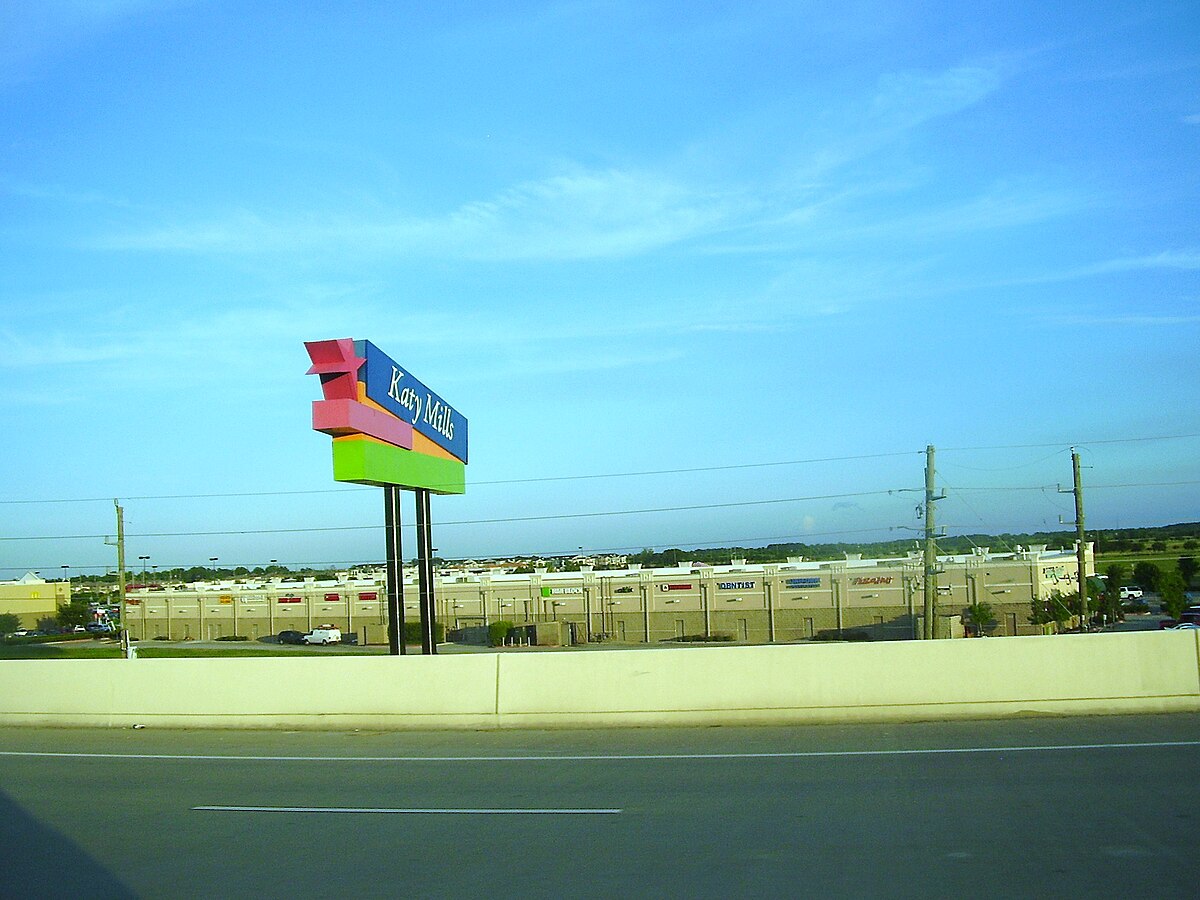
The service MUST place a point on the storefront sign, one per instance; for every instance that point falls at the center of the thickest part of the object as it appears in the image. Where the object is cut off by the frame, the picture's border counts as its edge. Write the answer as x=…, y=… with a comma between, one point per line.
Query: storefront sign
x=873, y=579
x=675, y=587
x=548, y=591
x=735, y=585
x=802, y=583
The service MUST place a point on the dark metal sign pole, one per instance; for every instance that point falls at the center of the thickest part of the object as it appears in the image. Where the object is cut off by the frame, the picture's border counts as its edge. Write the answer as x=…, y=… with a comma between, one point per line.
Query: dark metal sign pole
x=425, y=569
x=395, y=569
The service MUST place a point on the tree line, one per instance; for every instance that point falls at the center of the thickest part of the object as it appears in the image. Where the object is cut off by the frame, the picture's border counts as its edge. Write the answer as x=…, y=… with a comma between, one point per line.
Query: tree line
x=1183, y=537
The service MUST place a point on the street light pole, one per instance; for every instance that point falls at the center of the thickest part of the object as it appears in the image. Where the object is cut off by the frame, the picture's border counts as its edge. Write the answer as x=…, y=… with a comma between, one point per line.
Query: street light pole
x=1080, y=548
x=200, y=595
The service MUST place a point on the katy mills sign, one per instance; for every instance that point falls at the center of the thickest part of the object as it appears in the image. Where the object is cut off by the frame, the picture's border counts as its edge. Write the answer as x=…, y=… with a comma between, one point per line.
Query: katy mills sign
x=387, y=427
x=391, y=431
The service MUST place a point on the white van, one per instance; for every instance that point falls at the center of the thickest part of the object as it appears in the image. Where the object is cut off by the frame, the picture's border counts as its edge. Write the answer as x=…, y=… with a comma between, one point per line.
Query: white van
x=323, y=634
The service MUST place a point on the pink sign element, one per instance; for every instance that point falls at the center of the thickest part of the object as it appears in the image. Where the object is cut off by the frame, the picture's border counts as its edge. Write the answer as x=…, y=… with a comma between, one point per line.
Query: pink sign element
x=338, y=417
x=337, y=364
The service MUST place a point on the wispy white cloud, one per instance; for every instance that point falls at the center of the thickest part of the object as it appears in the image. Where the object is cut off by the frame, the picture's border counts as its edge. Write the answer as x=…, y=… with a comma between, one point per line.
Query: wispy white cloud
x=19, y=351
x=901, y=102
x=578, y=215
x=32, y=33
x=582, y=213
x=1186, y=260
x=57, y=193
x=907, y=99
x=1153, y=69
x=1123, y=319
x=528, y=331
x=1000, y=207
x=1169, y=259
x=591, y=359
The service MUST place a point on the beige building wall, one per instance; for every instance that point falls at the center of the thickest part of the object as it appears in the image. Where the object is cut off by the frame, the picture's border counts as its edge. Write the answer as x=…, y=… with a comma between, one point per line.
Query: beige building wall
x=773, y=603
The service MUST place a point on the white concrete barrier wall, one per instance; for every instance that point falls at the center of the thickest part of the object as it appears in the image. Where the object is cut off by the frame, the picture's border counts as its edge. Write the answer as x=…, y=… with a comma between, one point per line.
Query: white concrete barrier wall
x=1148, y=671
x=254, y=692
x=1078, y=674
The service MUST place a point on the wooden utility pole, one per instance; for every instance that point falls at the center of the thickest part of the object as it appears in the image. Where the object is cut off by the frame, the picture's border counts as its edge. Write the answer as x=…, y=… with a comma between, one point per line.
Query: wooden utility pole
x=120, y=557
x=1080, y=549
x=124, y=634
x=929, y=631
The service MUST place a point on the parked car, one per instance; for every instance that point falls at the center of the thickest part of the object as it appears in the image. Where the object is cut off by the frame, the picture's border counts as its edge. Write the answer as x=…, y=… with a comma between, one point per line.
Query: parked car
x=1185, y=626
x=290, y=637
x=1131, y=593
x=1190, y=616
x=98, y=627
x=324, y=634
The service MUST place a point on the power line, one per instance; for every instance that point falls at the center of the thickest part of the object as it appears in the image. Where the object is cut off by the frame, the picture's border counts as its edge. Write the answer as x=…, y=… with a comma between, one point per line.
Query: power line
x=693, y=544
x=1130, y=440
x=731, y=543
x=547, y=478
x=191, y=496
x=606, y=475
x=566, y=516
x=499, y=521
x=1091, y=487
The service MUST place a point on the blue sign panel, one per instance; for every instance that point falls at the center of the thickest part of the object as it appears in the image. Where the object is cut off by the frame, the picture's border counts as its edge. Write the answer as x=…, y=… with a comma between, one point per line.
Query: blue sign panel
x=803, y=583
x=397, y=391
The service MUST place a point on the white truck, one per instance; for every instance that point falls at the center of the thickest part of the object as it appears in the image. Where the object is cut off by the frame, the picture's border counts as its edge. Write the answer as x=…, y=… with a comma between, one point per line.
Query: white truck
x=1131, y=593
x=323, y=634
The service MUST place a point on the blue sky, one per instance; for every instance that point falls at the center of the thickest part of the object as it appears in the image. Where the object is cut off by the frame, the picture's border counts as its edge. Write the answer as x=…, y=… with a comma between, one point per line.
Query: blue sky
x=686, y=239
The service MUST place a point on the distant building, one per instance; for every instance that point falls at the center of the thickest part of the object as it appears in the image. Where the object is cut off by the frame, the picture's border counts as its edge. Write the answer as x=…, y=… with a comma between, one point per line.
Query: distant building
x=756, y=603
x=33, y=598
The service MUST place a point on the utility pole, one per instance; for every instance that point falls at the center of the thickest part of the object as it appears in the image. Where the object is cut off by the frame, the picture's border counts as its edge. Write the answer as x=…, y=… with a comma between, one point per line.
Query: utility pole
x=1080, y=550
x=929, y=631
x=120, y=552
x=125, y=646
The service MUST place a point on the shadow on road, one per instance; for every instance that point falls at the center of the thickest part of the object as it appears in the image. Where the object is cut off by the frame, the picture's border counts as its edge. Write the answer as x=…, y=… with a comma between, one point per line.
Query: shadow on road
x=37, y=860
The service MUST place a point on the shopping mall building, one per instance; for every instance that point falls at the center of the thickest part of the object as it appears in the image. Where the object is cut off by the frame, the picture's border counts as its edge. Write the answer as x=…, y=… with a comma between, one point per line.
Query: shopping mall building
x=758, y=603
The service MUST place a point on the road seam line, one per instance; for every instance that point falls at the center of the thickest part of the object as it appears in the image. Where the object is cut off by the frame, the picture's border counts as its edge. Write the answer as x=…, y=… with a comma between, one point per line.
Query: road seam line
x=598, y=757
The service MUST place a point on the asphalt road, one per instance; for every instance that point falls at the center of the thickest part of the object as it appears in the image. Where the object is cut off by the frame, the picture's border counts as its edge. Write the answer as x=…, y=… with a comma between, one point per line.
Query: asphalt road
x=1103, y=807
